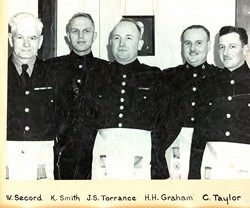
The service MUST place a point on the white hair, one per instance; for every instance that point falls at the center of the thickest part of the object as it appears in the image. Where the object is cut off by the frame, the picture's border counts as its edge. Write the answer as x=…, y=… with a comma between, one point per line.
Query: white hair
x=25, y=18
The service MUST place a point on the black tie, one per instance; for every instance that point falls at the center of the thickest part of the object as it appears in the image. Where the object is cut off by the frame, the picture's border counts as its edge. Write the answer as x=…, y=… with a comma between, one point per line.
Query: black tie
x=24, y=75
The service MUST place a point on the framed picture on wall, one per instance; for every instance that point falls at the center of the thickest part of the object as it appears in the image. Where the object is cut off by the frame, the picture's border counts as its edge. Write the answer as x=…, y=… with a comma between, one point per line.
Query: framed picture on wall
x=148, y=48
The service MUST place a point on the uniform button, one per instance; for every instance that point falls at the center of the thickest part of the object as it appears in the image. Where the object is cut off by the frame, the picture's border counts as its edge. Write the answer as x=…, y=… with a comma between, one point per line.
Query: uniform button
x=27, y=92
x=228, y=115
x=227, y=133
x=121, y=107
x=100, y=96
x=192, y=118
x=52, y=101
x=123, y=91
x=144, y=97
x=121, y=100
x=120, y=115
x=248, y=104
x=120, y=125
x=124, y=76
x=194, y=75
x=229, y=98
x=123, y=83
x=210, y=103
x=80, y=66
x=232, y=82
x=193, y=103
x=194, y=89
x=79, y=81
x=26, y=128
x=26, y=110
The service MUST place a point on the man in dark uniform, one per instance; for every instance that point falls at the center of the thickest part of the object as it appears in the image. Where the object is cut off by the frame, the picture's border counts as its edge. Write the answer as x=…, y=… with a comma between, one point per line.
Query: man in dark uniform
x=30, y=123
x=69, y=71
x=117, y=124
x=188, y=80
x=220, y=148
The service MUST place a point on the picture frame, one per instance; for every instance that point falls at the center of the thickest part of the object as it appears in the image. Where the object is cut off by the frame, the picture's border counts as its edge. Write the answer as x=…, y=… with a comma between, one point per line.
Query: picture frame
x=148, y=48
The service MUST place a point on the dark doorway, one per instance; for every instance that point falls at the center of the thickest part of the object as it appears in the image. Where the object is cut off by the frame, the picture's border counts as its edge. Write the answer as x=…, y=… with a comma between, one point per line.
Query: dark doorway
x=47, y=12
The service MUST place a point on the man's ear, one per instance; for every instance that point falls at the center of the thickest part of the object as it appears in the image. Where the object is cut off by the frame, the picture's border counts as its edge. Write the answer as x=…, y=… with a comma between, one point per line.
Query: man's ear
x=67, y=37
x=10, y=37
x=140, y=44
x=94, y=36
x=245, y=50
x=209, y=45
x=40, y=41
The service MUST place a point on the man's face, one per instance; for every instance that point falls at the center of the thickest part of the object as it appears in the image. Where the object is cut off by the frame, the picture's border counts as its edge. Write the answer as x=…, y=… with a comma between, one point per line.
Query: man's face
x=231, y=51
x=125, y=42
x=25, y=41
x=81, y=35
x=195, y=46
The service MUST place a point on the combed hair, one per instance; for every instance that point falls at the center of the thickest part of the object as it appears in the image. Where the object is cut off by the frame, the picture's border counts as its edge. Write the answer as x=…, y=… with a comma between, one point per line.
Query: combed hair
x=24, y=17
x=79, y=14
x=197, y=27
x=239, y=30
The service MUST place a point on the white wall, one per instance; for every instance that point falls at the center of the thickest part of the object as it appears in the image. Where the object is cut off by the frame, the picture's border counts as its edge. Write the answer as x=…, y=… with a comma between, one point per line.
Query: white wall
x=15, y=6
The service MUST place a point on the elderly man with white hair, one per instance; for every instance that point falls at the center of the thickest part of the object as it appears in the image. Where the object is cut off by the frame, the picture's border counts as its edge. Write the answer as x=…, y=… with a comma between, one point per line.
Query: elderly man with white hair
x=30, y=123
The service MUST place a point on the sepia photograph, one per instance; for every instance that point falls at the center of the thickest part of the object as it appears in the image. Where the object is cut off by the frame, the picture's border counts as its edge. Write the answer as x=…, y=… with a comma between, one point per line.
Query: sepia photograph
x=130, y=103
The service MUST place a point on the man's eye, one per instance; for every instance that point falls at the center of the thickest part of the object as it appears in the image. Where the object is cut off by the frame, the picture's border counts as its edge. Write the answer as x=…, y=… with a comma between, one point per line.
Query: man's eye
x=33, y=38
x=199, y=42
x=74, y=31
x=233, y=46
x=221, y=47
x=87, y=31
x=116, y=38
x=19, y=37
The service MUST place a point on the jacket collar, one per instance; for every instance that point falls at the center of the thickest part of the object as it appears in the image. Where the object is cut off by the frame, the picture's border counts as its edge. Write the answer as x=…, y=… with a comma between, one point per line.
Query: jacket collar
x=243, y=68
x=202, y=66
x=88, y=56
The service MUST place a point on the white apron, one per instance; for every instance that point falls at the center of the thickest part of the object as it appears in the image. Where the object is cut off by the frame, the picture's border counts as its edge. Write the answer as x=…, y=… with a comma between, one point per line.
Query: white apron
x=29, y=160
x=226, y=160
x=122, y=153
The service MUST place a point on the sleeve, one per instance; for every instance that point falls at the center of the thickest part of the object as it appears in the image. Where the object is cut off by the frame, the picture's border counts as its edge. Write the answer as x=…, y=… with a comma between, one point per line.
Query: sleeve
x=201, y=132
x=197, y=149
x=167, y=127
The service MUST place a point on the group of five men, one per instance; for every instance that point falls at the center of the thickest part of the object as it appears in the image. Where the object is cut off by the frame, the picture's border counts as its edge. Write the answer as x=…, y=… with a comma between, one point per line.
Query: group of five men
x=80, y=117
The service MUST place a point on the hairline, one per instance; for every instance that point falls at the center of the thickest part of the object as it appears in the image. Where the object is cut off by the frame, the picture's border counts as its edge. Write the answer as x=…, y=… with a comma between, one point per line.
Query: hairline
x=78, y=15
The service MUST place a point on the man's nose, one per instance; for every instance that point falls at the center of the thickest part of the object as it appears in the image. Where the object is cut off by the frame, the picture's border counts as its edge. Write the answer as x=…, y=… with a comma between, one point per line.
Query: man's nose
x=26, y=42
x=192, y=47
x=122, y=42
x=80, y=34
x=225, y=51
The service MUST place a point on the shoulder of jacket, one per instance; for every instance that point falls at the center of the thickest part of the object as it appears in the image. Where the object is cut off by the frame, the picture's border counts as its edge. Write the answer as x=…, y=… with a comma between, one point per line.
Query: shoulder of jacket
x=151, y=68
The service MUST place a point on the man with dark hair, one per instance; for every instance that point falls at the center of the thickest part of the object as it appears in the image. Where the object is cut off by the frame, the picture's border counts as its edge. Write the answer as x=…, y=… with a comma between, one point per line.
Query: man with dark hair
x=31, y=128
x=220, y=148
x=69, y=72
x=188, y=80
x=122, y=104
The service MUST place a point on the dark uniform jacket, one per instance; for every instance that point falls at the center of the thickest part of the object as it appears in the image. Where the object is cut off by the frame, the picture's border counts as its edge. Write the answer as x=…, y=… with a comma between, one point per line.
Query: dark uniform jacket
x=225, y=114
x=124, y=96
x=188, y=81
x=67, y=73
x=30, y=110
